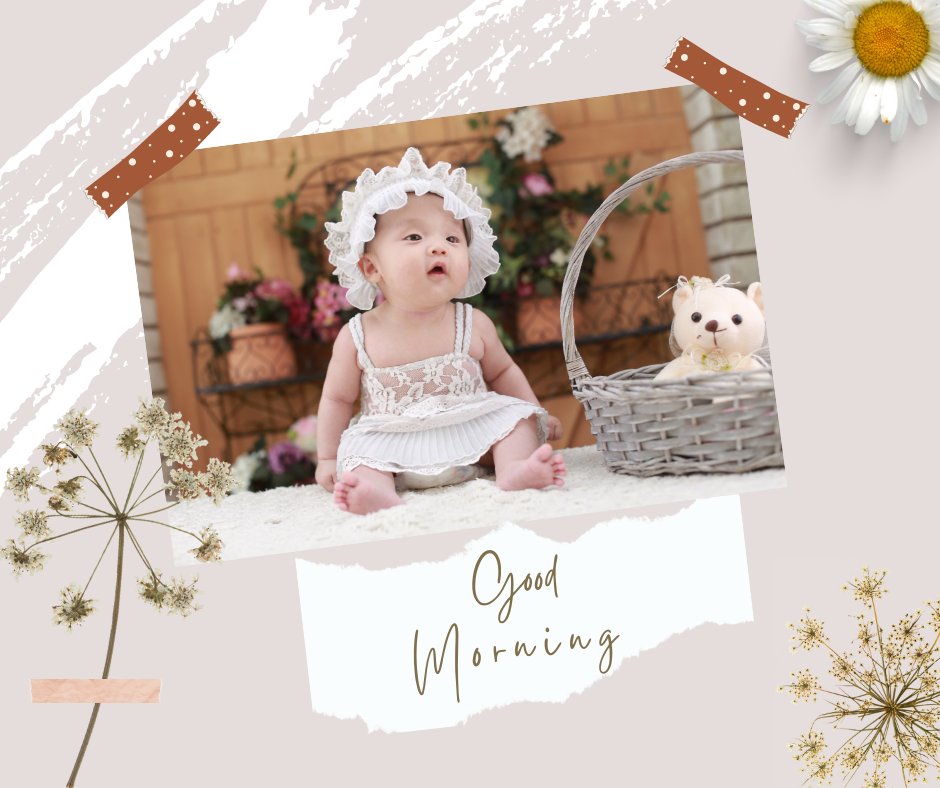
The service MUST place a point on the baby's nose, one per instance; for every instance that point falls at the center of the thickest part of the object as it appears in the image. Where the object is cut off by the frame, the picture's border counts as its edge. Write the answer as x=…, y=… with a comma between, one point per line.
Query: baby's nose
x=711, y=325
x=438, y=246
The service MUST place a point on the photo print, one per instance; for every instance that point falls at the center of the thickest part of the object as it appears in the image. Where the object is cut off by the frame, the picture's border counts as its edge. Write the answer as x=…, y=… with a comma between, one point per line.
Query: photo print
x=242, y=309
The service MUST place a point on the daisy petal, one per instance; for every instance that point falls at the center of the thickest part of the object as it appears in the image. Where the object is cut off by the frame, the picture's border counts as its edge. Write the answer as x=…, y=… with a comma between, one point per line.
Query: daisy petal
x=914, y=102
x=841, y=82
x=899, y=126
x=868, y=113
x=852, y=100
x=834, y=8
x=929, y=73
x=830, y=43
x=821, y=27
x=889, y=101
x=831, y=60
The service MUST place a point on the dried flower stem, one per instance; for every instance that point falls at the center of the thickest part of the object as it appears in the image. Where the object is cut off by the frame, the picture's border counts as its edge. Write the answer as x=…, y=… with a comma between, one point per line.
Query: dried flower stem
x=107, y=660
x=130, y=488
x=165, y=525
x=100, y=559
x=145, y=487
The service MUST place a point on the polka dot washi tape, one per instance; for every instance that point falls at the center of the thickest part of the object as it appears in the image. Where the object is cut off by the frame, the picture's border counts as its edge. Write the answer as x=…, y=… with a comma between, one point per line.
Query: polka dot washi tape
x=761, y=104
x=167, y=146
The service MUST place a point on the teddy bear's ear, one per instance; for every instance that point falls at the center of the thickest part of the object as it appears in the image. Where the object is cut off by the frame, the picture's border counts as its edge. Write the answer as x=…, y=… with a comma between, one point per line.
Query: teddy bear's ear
x=683, y=293
x=756, y=293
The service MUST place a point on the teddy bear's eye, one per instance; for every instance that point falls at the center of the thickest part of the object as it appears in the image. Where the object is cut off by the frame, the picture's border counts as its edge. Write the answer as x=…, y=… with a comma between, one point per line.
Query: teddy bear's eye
x=696, y=316
x=737, y=319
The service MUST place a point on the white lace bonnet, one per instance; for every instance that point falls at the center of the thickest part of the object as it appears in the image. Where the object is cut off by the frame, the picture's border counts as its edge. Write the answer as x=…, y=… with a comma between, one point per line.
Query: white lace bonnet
x=388, y=190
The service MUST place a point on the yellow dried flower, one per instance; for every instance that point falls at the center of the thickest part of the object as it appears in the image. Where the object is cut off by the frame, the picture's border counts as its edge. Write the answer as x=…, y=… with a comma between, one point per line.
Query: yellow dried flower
x=808, y=746
x=809, y=633
x=804, y=686
x=868, y=587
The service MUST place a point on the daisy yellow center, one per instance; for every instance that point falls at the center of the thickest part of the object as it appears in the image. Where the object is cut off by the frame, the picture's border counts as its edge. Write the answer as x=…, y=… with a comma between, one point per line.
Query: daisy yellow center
x=891, y=39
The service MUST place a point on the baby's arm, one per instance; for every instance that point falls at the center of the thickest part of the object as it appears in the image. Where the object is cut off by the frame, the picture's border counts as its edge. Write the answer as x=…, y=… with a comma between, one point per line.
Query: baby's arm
x=501, y=373
x=340, y=390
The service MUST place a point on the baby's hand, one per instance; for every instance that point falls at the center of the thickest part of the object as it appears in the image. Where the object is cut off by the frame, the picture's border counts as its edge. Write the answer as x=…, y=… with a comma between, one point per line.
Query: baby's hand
x=326, y=474
x=554, y=428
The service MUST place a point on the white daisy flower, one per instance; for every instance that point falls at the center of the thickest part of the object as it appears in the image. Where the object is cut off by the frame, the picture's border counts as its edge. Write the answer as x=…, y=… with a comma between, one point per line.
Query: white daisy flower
x=889, y=52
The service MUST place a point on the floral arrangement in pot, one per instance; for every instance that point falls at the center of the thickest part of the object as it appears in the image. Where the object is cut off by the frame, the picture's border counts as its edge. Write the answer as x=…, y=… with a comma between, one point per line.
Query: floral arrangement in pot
x=535, y=222
x=253, y=320
x=287, y=463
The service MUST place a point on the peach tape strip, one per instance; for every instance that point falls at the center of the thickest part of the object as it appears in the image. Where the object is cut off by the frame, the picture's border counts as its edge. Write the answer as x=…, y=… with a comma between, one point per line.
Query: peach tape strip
x=166, y=147
x=752, y=100
x=95, y=690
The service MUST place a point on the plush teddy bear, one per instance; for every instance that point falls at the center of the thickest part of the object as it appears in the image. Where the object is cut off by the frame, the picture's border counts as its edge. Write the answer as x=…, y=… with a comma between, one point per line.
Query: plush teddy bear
x=717, y=328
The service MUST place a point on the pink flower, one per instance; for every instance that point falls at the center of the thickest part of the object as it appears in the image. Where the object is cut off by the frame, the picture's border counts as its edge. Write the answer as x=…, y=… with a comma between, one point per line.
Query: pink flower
x=525, y=289
x=303, y=434
x=276, y=290
x=536, y=184
x=235, y=273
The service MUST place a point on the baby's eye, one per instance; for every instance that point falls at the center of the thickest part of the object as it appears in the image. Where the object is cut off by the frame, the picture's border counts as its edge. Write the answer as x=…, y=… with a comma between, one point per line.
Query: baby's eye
x=737, y=319
x=453, y=239
x=412, y=237
x=696, y=316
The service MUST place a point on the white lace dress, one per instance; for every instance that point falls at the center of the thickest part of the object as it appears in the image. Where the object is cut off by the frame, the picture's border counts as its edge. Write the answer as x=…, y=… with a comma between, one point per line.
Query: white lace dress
x=429, y=416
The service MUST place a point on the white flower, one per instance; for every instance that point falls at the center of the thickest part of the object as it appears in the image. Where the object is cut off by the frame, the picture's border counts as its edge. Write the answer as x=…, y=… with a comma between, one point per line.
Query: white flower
x=244, y=468
x=224, y=320
x=889, y=52
x=528, y=133
x=559, y=257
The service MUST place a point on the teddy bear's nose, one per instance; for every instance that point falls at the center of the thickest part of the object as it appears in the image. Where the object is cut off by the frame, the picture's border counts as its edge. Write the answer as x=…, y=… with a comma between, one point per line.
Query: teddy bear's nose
x=711, y=325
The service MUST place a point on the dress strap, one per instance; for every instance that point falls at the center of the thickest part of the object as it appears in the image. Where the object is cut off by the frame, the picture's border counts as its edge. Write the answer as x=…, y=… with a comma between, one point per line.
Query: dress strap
x=465, y=335
x=458, y=327
x=355, y=328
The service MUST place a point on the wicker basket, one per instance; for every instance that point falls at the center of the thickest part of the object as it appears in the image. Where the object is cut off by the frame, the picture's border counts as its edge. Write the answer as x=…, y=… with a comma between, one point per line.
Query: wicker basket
x=725, y=423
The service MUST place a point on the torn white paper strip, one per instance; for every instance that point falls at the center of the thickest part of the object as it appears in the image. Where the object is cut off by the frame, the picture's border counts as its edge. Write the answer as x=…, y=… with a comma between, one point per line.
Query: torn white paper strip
x=624, y=587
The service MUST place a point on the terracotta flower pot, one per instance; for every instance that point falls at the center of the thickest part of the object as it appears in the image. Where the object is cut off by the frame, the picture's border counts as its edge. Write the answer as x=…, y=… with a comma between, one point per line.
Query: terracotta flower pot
x=260, y=351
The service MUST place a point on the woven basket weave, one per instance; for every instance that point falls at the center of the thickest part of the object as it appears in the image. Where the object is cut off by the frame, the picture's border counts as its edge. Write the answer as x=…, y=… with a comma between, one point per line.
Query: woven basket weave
x=724, y=423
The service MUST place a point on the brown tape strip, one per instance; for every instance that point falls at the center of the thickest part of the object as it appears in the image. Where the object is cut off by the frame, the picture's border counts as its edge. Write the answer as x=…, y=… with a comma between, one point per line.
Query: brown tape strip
x=95, y=690
x=166, y=147
x=743, y=95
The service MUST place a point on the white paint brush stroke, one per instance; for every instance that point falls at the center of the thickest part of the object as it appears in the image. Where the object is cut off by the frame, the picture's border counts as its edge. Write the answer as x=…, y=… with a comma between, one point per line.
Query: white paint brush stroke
x=258, y=92
x=644, y=580
x=81, y=298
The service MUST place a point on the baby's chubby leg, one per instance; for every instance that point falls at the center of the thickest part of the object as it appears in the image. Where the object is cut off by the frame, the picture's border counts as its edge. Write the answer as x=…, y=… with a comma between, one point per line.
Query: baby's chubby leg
x=364, y=490
x=521, y=463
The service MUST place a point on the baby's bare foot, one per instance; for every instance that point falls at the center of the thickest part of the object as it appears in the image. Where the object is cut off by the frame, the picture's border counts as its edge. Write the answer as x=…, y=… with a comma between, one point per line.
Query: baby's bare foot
x=363, y=495
x=542, y=468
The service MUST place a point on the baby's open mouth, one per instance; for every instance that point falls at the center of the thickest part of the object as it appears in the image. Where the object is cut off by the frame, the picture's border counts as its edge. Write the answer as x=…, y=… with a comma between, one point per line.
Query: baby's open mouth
x=438, y=269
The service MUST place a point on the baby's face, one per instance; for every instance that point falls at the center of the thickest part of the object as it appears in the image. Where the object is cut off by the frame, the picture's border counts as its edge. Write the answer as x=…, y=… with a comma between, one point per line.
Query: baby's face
x=419, y=257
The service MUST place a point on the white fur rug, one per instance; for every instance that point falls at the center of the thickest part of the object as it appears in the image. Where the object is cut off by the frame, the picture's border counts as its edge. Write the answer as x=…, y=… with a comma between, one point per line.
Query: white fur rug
x=291, y=519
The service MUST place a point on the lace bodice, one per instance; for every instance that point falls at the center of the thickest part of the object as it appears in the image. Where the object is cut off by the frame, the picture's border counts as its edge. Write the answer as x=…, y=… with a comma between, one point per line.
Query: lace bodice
x=429, y=385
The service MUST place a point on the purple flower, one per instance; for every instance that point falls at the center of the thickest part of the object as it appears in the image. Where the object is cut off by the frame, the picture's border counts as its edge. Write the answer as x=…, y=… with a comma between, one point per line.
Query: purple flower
x=284, y=455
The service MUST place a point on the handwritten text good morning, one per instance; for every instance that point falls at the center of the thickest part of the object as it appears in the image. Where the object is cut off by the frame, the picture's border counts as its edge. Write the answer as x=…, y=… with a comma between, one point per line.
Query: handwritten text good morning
x=488, y=586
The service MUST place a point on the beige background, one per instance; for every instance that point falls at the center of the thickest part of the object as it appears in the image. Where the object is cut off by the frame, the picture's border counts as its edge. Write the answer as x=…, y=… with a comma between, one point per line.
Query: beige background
x=846, y=233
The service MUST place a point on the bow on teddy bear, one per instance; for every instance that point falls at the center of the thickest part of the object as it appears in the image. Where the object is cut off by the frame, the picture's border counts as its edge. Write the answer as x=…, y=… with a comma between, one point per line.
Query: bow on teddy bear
x=716, y=328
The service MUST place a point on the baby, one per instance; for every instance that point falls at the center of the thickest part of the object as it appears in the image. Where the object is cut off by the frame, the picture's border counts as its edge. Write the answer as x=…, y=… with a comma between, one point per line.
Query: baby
x=438, y=389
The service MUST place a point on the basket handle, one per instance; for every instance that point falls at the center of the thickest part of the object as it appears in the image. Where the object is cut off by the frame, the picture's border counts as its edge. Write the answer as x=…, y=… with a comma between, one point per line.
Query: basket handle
x=573, y=360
